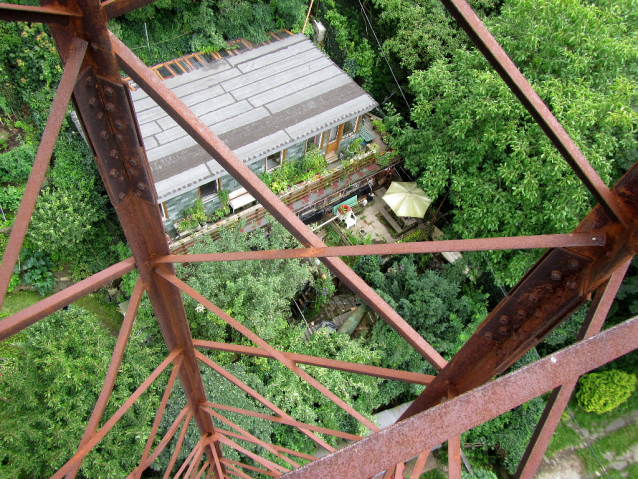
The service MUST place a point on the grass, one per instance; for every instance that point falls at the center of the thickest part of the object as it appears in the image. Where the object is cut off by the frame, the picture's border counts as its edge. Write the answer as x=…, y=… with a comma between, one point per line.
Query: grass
x=591, y=463
x=107, y=313
x=593, y=422
x=618, y=441
x=564, y=437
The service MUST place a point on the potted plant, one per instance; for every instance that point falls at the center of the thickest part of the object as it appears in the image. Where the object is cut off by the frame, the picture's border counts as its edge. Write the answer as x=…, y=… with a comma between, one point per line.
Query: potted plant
x=343, y=210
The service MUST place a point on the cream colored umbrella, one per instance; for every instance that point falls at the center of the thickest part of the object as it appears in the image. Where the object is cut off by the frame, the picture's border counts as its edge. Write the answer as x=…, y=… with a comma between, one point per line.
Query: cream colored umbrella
x=407, y=199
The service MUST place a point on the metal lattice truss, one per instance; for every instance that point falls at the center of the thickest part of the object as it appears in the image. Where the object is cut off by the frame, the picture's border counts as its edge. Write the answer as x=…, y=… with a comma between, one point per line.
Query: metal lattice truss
x=592, y=259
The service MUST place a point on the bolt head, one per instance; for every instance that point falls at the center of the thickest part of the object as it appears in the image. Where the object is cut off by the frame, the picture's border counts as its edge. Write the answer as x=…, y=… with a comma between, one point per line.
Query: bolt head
x=93, y=102
x=133, y=162
x=108, y=91
x=113, y=172
x=503, y=319
x=141, y=186
x=556, y=275
x=573, y=265
x=520, y=313
x=121, y=196
x=119, y=125
x=110, y=107
x=502, y=330
x=114, y=154
x=487, y=334
x=104, y=134
x=89, y=81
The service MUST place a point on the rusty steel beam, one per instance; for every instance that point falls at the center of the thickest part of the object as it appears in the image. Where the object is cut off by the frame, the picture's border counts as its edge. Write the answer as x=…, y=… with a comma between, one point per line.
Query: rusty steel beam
x=555, y=287
x=507, y=70
x=479, y=244
x=271, y=466
x=238, y=473
x=75, y=55
x=275, y=354
x=190, y=457
x=98, y=435
x=245, y=435
x=105, y=109
x=202, y=470
x=419, y=464
x=158, y=417
x=34, y=313
x=185, y=118
x=192, y=468
x=26, y=13
x=255, y=395
x=557, y=403
x=164, y=442
x=116, y=8
x=425, y=430
x=278, y=448
x=246, y=466
x=376, y=371
x=254, y=440
x=454, y=457
x=178, y=445
x=113, y=369
x=286, y=421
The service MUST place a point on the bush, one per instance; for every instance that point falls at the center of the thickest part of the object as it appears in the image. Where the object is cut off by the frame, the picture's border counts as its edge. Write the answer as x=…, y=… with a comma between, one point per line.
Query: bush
x=36, y=269
x=605, y=391
x=15, y=165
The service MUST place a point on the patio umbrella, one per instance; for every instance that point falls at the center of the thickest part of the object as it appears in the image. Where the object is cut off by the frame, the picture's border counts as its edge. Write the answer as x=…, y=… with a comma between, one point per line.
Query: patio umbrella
x=407, y=199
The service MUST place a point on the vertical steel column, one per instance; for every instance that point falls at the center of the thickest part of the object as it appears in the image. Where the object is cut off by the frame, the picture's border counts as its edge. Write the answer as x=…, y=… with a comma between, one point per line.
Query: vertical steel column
x=104, y=105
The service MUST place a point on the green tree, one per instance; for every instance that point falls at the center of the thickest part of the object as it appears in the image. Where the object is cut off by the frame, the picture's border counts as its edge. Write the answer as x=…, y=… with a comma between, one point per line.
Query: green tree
x=256, y=293
x=473, y=141
x=50, y=383
x=604, y=391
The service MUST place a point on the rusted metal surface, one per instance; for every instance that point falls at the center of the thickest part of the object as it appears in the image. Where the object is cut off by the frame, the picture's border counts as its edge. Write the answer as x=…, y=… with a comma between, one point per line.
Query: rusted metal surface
x=105, y=108
x=279, y=356
x=113, y=369
x=158, y=417
x=255, y=395
x=376, y=371
x=98, y=435
x=479, y=244
x=580, y=263
x=178, y=446
x=27, y=13
x=555, y=287
x=166, y=439
x=245, y=435
x=410, y=437
x=32, y=314
x=40, y=164
x=559, y=399
x=494, y=53
x=285, y=420
x=419, y=464
x=454, y=457
x=169, y=102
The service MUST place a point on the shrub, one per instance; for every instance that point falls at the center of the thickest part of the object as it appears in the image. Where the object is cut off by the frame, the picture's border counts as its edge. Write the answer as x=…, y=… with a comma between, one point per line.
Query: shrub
x=605, y=391
x=36, y=269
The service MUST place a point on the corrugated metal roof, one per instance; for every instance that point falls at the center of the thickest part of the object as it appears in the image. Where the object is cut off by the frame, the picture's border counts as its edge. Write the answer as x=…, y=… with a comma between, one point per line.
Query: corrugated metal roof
x=258, y=102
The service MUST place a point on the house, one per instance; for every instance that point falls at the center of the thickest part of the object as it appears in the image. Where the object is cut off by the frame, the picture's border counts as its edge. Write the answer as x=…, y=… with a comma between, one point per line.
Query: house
x=268, y=103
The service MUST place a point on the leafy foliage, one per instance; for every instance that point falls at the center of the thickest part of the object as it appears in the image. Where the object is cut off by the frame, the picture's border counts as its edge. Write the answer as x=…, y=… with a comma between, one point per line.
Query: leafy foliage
x=49, y=387
x=256, y=293
x=15, y=165
x=474, y=141
x=36, y=271
x=601, y=392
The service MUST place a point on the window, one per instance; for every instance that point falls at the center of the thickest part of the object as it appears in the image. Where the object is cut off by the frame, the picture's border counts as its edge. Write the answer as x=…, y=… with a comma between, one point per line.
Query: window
x=333, y=134
x=313, y=141
x=350, y=127
x=163, y=210
x=208, y=191
x=273, y=161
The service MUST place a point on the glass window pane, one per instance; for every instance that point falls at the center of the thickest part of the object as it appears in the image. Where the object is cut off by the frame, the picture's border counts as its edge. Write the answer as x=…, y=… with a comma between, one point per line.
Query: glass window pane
x=273, y=161
x=208, y=190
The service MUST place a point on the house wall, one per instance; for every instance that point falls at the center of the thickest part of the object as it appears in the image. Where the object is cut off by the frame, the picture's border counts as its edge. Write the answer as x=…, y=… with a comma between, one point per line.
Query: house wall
x=177, y=205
